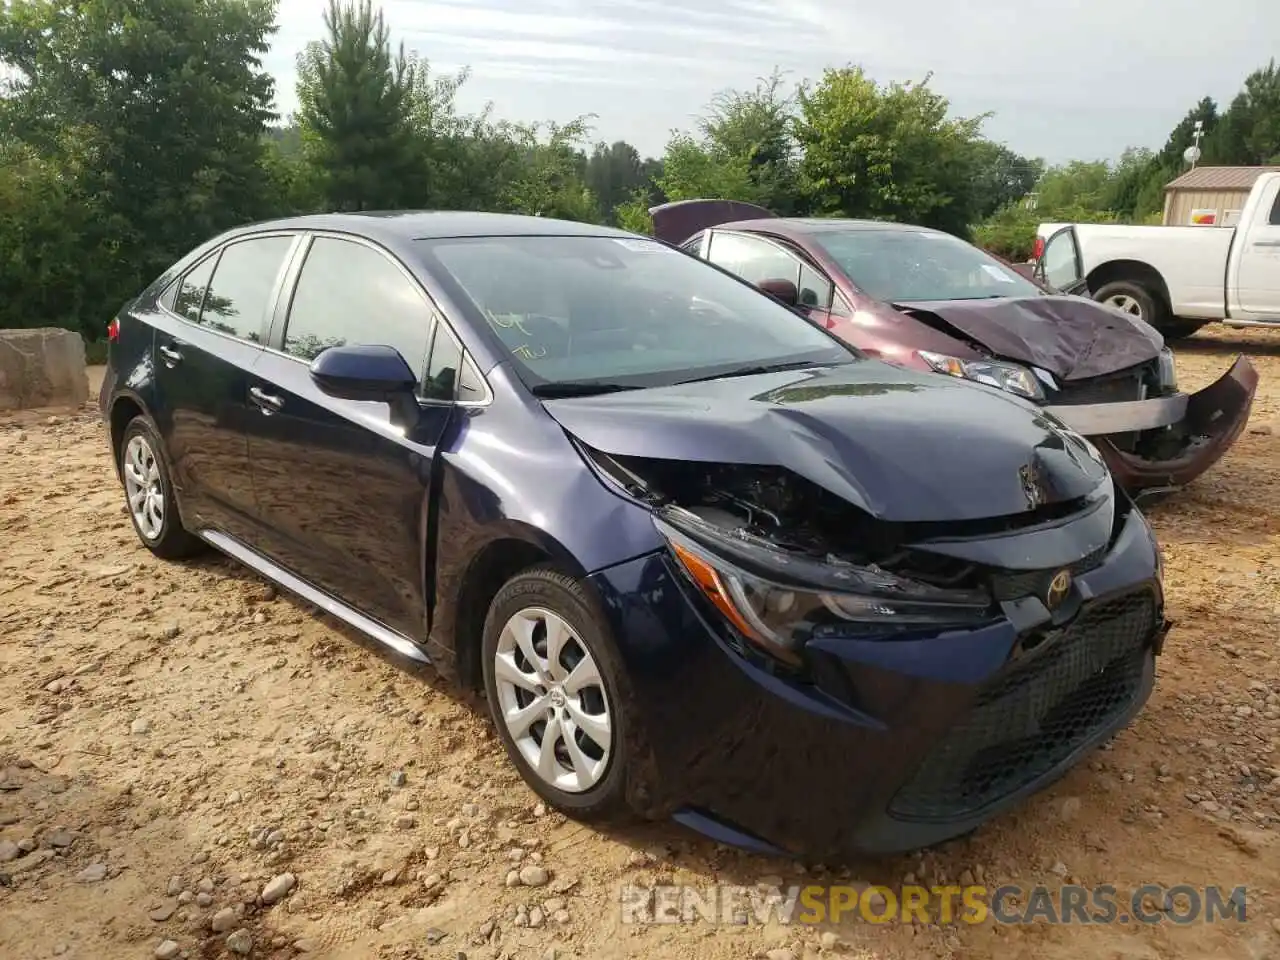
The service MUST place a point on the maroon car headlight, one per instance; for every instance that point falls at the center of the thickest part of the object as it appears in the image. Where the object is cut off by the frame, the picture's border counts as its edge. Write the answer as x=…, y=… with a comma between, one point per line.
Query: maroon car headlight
x=994, y=373
x=780, y=616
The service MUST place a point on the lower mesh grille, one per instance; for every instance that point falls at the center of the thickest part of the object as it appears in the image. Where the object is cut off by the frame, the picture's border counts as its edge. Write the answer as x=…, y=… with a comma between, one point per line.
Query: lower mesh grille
x=1036, y=713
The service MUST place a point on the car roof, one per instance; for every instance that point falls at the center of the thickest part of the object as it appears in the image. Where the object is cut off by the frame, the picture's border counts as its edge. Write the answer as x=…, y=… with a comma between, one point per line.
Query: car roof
x=435, y=224
x=811, y=225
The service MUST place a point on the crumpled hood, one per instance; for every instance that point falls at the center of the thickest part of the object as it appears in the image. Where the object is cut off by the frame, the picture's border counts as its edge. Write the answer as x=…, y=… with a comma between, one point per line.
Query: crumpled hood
x=901, y=445
x=1071, y=337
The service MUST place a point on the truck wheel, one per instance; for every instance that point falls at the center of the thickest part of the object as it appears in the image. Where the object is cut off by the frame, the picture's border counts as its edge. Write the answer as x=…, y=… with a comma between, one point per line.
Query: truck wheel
x=1134, y=299
x=1177, y=329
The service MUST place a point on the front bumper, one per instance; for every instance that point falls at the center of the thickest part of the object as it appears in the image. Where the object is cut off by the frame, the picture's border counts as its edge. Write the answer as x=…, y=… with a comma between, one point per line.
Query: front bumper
x=1212, y=420
x=888, y=745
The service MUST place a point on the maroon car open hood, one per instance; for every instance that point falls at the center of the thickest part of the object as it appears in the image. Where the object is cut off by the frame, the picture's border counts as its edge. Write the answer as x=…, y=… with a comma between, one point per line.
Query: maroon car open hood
x=1070, y=337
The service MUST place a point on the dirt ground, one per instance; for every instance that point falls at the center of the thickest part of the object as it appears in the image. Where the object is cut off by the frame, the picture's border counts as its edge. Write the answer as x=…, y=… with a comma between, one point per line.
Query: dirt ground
x=176, y=739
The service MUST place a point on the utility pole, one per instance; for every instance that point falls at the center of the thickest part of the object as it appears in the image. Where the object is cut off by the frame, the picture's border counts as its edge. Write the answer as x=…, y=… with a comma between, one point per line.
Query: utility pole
x=1192, y=153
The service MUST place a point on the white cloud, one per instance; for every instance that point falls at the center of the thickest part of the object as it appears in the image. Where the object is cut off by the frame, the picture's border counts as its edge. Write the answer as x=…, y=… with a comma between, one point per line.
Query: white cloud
x=1065, y=80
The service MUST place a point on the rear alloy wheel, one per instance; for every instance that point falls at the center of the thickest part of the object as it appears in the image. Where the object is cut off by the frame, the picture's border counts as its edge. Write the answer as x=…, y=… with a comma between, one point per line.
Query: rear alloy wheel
x=553, y=680
x=149, y=494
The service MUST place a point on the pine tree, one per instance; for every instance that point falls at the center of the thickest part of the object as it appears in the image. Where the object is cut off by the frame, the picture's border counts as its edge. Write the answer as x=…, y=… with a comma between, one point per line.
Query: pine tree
x=355, y=106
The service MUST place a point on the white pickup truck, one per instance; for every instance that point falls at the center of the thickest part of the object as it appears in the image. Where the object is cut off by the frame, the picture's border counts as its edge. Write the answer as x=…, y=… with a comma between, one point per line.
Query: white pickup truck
x=1175, y=278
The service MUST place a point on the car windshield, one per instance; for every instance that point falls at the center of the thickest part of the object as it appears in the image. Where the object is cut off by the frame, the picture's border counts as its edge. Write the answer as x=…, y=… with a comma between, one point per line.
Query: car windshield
x=623, y=312
x=901, y=266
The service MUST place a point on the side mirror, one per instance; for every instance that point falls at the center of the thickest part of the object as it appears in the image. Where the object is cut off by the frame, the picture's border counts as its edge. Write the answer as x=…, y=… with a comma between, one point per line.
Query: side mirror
x=374, y=373
x=783, y=290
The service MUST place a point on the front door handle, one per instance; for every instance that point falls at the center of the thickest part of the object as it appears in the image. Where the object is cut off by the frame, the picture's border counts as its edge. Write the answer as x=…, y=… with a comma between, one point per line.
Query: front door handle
x=1266, y=243
x=269, y=403
x=171, y=356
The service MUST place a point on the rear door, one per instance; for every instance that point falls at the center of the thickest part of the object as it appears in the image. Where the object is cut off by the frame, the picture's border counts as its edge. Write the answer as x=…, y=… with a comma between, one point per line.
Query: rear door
x=1060, y=265
x=210, y=328
x=344, y=485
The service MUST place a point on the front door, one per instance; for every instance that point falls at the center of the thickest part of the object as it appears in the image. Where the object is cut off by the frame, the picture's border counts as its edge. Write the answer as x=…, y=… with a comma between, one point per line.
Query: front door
x=1060, y=265
x=210, y=328
x=1258, y=272
x=344, y=485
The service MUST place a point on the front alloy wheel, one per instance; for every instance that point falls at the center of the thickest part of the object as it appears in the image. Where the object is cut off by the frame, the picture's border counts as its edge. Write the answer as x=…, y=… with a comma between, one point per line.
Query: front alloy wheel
x=552, y=700
x=554, y=683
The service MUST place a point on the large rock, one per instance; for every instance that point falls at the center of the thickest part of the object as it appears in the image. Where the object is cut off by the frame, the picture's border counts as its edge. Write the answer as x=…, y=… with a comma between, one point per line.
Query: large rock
x=42, y=368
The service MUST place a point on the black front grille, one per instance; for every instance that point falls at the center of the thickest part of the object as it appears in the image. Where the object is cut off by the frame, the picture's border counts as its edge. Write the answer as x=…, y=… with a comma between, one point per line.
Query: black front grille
x=1016, y=584
x=1079, y=679
x=1113, y=388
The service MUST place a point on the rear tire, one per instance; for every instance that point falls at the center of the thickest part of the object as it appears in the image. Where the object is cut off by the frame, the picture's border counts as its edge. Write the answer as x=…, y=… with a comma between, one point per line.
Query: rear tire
x=1179, y=329
x=149, y=495
x=551, y=669
x=1134, y=299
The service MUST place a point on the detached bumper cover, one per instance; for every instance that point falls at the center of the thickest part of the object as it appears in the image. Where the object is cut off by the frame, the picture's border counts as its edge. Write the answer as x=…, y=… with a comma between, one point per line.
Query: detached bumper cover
x=1215, y=418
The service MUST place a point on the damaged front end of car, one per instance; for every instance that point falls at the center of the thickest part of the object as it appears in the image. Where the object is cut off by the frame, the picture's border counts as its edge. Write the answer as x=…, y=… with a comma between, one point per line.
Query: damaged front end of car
x=1103, y=376
x=1154, y=437
x=784, y=562
x=977, y=660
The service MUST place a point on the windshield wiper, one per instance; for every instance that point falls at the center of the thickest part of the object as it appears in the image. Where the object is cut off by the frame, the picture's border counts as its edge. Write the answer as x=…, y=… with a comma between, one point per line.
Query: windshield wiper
x=577, y=388
x=756, y=370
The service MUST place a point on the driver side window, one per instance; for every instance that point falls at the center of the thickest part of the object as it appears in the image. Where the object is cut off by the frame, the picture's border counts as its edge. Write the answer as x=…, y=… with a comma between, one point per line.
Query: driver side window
x=349, y=293
x=753, y=259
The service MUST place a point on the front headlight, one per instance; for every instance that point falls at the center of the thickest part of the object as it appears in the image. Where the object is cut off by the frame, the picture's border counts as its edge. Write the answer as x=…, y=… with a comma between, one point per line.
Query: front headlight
x=1168, y=371
x=994, y=373
x=762, y=591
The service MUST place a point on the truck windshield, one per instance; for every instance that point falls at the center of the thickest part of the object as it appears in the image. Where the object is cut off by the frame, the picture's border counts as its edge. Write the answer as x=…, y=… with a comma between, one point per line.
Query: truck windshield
x=901, y=266
x=619, y=312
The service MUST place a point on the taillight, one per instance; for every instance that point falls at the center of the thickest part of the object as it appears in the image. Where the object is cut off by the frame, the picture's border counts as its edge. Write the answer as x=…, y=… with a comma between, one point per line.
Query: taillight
x=1039, y=249
x=113, y=330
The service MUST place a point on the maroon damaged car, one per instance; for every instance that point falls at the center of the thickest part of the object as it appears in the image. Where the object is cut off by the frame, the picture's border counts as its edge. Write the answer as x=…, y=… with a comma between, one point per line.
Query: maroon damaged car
x=925, y=299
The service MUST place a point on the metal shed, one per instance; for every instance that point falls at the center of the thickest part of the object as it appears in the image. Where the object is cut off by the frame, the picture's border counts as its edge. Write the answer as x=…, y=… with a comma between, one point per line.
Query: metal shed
x=1210, y=196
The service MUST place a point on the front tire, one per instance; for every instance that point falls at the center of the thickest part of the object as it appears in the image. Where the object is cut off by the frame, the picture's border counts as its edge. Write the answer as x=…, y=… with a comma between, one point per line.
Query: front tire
x=556, y=692
x=149, y=496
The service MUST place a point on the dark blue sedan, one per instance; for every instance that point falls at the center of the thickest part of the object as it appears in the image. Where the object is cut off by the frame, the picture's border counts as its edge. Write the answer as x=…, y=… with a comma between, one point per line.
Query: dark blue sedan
x=706, y=561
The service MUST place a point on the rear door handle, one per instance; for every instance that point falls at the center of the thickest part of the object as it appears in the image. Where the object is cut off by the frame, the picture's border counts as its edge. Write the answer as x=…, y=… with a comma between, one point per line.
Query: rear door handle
x=269, y=403
x=1266, y=243
x=171, y=355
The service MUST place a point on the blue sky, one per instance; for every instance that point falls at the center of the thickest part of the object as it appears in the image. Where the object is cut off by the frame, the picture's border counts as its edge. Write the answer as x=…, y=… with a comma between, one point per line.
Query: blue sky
x=1080, y=79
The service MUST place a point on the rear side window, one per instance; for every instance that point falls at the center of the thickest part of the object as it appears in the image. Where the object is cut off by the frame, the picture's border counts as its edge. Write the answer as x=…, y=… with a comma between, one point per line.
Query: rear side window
x=350, y=294
x=243, y=287
x=191, y=290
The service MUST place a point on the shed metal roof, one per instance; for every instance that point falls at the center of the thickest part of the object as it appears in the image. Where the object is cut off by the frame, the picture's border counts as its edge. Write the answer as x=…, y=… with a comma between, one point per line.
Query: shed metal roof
x=1220, y=178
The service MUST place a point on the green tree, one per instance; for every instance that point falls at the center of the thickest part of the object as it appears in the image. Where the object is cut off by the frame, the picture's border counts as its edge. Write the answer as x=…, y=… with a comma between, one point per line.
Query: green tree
x=546, y=178
x=355, y=101
x=744, y=149
x=150, y=114
x=1249, y=132
x=886, y=152
x=614, y=173
x=1000, y=176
